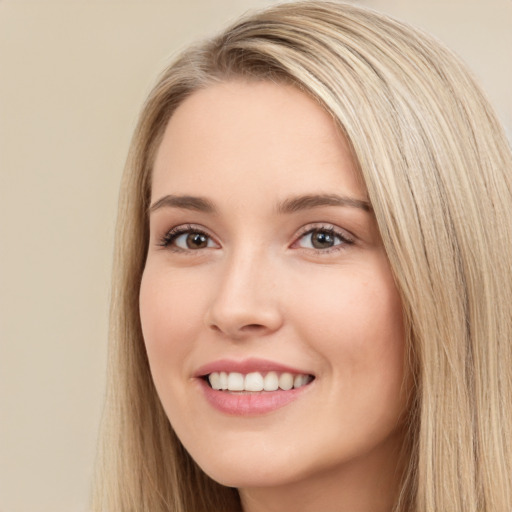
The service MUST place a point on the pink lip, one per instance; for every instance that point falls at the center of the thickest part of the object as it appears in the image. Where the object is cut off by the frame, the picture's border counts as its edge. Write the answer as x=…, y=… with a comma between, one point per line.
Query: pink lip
x=246, y=366
x=248, y=403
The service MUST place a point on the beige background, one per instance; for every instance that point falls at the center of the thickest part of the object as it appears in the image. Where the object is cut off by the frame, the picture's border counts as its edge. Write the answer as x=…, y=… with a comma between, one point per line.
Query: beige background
x=73, y=75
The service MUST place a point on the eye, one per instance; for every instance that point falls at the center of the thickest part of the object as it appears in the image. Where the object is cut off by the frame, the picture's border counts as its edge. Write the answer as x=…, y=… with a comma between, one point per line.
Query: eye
x=187, y=238
x=323, y=238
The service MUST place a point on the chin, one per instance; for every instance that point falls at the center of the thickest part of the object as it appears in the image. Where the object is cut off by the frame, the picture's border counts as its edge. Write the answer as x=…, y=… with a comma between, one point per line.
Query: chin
x=249, y=476
x=250, y=469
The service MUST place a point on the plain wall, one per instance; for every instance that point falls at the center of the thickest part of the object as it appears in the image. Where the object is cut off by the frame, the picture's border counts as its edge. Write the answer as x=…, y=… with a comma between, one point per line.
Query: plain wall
x=73, y=75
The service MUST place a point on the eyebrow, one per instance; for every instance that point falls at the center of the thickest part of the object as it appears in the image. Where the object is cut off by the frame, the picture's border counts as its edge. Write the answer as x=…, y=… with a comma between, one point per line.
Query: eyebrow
x=290, y=205
x=306, y=202
x=198, y=204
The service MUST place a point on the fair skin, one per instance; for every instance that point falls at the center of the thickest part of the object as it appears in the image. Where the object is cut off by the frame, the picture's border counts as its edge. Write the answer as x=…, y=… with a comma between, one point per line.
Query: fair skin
x=245, y=274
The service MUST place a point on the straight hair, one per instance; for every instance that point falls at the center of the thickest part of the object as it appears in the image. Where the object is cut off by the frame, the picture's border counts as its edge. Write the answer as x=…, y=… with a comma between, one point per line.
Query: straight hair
x=438, y=170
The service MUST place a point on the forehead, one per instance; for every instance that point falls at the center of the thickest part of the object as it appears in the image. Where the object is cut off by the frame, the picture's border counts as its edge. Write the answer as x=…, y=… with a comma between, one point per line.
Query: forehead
x=262, y=136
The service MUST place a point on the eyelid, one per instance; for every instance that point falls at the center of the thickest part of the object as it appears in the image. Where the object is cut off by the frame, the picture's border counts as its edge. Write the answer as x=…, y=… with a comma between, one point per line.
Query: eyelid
x=346, y=237
x=172, y=234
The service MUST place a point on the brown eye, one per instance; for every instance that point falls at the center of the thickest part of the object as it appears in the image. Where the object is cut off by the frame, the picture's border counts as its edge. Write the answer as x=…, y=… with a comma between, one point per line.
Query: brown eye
x=187, y=239
x=323, y=239
x=196, y=241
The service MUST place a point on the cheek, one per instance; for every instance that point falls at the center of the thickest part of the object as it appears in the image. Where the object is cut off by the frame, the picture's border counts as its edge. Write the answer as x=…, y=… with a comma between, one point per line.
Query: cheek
x=170, y=312
x=358, y=327
x=359, y=310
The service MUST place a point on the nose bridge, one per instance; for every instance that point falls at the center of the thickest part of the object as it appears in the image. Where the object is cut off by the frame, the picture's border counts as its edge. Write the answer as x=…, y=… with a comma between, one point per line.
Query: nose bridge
x=246, y=300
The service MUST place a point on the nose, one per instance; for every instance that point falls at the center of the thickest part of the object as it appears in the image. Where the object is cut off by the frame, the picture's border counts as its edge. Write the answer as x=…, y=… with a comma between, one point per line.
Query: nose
x=246, y=301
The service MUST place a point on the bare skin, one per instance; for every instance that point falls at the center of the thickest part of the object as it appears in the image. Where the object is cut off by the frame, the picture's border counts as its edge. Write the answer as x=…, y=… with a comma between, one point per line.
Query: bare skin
x=263, y=246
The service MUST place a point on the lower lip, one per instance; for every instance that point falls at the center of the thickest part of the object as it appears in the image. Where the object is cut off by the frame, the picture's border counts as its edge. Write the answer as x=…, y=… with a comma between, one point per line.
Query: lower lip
x=250, y=404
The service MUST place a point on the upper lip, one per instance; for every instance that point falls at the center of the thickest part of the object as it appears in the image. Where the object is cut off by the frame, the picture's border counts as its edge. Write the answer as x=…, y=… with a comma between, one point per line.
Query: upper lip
x=246, y=366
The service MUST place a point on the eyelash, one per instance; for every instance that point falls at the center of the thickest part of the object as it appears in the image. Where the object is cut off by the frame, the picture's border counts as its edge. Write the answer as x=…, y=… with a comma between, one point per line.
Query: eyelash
x=173, y=234
x=330, y=230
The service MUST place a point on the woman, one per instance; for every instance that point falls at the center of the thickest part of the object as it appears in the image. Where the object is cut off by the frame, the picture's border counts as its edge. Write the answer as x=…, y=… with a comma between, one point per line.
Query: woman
x=311, y=306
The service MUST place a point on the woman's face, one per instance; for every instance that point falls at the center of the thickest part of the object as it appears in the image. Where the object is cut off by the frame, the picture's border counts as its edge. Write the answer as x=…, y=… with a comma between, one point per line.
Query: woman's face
x=265, y=270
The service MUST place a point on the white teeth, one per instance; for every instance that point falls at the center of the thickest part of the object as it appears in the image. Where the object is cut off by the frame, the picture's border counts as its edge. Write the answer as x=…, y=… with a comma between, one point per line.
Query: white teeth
x=271, y=382
x=223, y=380
x=215, y=380
x=236, y=381
x=286, y=381
x=255, y=381
x=299, y=381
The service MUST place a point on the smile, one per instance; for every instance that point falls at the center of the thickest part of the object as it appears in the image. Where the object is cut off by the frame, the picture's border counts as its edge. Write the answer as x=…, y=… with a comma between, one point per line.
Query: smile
x=252, y=387
x=257, y=381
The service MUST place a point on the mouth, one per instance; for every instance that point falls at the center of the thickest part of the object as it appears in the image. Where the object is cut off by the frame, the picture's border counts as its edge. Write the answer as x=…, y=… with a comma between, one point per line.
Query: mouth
x=252, y=387
x=235, y=382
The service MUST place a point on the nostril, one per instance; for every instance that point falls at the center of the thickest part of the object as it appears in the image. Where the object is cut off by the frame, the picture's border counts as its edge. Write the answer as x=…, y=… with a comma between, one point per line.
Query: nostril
x=244, y=328
x=252, y=327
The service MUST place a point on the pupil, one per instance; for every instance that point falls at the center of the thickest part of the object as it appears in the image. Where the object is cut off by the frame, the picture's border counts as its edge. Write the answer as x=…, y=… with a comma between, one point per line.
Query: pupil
x=196, y=241
x=321, y=240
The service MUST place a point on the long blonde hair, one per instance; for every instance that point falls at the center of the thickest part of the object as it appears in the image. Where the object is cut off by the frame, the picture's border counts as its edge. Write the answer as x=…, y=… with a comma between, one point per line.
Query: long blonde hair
x=438, y=170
